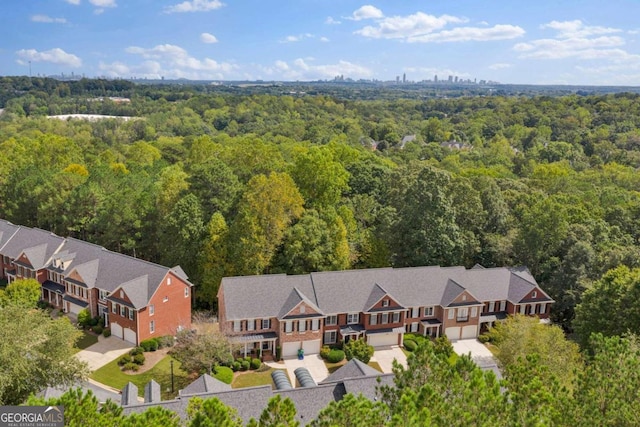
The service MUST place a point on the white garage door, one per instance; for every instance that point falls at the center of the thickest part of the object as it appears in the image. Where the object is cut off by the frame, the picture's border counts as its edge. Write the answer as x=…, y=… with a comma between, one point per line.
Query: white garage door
x=290, y=349
x=116, y=330
x=311, y=347
x=469, y=332
x=453, y=333
x=383, y=340
x=130, y=335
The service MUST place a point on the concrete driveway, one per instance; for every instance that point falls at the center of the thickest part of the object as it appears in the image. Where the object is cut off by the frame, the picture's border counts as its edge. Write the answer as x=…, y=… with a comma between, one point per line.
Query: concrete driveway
x=480, y=354
x=385, y=356
x=312, y=362
x=104, y=351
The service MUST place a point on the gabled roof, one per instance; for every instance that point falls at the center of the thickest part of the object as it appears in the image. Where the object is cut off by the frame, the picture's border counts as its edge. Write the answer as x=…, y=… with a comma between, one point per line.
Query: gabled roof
x=204, y=384
x=451, y=292
x=7, y=230
x=36, y=243
x=352, y=369
x=377, y=293
x=295, y=298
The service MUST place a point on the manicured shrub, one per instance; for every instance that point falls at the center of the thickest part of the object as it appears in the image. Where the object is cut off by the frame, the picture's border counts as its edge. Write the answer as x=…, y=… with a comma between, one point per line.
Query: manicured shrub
x=335, y=356
x=139, y=359
x=255, y=363
x=410, y=345
x=224, y=374
x=106, y=333
x=324, y=351
x=165, y=341
x=97, y=329
x=484, y=338
x=247, y=358
x=130, y=367
x=358, y=349
x=84, y=318
x=244, y=365
x=124, y=359
x=95, y=321
x=235, y=366
x=278, y=352
x=136, y=350
x=150, y=344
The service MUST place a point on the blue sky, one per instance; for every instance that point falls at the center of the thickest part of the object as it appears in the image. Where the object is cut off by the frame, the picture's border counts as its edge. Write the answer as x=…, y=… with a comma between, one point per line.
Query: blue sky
x=537, y=42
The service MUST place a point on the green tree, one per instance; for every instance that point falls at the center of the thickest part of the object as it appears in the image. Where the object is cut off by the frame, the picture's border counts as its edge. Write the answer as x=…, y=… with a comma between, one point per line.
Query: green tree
x=214, y=262
x=211, y=413
x=201, y=352
x=215, y=185
x=356, y=411
x=358, y=349
x=23, y=293
x=153, y=416
x=278, y=413
x=37, y=359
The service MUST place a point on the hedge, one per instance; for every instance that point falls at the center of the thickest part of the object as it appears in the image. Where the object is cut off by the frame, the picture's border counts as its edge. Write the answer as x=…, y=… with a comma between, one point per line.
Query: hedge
x=150, y=344
x=224, y=374
x=335, y=356
x=410, y=345
x=256, y=363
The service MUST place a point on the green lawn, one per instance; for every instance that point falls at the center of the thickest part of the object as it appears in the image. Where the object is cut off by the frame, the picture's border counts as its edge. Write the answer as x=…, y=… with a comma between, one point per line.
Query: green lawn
x=253, y=378
x=112, y=376
x=87, y=339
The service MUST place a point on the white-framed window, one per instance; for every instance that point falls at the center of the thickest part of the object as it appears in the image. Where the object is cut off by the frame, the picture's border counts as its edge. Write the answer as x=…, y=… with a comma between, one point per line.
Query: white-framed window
x=464, y=297
x=373, y=320
x=385, y=303
x=114, y=308
x=237, y=326
x=266, y=323
x=396, y=317
x=169, y=280
x=165, y=299
x=428, y=311
x=152, y=326
x=450, y=313
x=123, y=311
x=315, y=324
x=152, y=310
x=385, y=319
x=534, y=294
x=331, y=320
x=463, y=314
x=415, y=312
x=492, y=306
x=288, y=326
x=474, y=311
x=186, y=292
x=414, y=327
x=330, y=337
x=251, y=324
x=130, y=314
x=103, y=294
x=302, y=309
x=302, y=326
x=353, y=318
x=503, y=305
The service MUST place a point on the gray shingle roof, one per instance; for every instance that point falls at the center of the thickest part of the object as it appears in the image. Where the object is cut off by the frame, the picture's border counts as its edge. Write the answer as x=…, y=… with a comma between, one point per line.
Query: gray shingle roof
x=352, y=369
x=354, y=290
x=295, y=298
x=205, y=384
x=36, y=243
x=7, y=230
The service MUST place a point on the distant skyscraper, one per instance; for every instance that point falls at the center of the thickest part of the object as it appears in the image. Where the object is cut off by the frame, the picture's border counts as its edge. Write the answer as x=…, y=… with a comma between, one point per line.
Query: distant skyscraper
x=404, y=77
x=397, y=79
x=456, y=79
x=450, y=79
x=435, y=78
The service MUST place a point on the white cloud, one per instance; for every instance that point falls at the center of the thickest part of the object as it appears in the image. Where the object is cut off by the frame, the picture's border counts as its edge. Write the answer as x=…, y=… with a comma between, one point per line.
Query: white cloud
x=48, y=20
x=366, y=12
x=500, y=66
x=331, y=21
x=194, y=6
x=305, y=69
x=401, y=27
x=55, y=56
x=208, y=38
x=576, y=40
x=324, y=39
x=73, y=2
x=173, y=61
x=103, y=3
x=299, y=37
x=464, y=34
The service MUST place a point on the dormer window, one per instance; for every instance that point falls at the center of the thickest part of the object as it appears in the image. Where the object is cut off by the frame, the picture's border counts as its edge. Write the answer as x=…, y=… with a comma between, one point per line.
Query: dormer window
x=464, y=297
x=534, y=294
x=385, y=303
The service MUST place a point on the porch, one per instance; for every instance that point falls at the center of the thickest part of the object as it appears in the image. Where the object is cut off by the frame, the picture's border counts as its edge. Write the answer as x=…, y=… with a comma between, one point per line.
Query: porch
x=257, y=345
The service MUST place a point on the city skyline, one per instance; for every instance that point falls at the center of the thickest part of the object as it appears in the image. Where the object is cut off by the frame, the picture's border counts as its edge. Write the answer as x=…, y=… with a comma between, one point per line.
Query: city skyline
x=514, y=43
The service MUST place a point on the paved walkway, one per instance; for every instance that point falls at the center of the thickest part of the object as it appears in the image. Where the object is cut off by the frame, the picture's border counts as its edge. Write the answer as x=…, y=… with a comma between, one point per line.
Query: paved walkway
x=480, y=354
x=386, y=355
x=104, y=351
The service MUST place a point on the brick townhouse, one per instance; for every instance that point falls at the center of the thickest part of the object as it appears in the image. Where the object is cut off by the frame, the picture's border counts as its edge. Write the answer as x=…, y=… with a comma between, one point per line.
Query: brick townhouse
x=136, y=298
x=379, y=305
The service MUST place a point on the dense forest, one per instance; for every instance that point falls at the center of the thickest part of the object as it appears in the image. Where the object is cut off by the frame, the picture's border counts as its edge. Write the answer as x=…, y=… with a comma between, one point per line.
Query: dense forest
x=234, y=184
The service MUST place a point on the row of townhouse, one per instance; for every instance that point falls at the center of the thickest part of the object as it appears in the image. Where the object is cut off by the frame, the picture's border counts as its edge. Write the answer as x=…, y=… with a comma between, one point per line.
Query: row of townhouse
x=380, y=305
x=136, y=298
